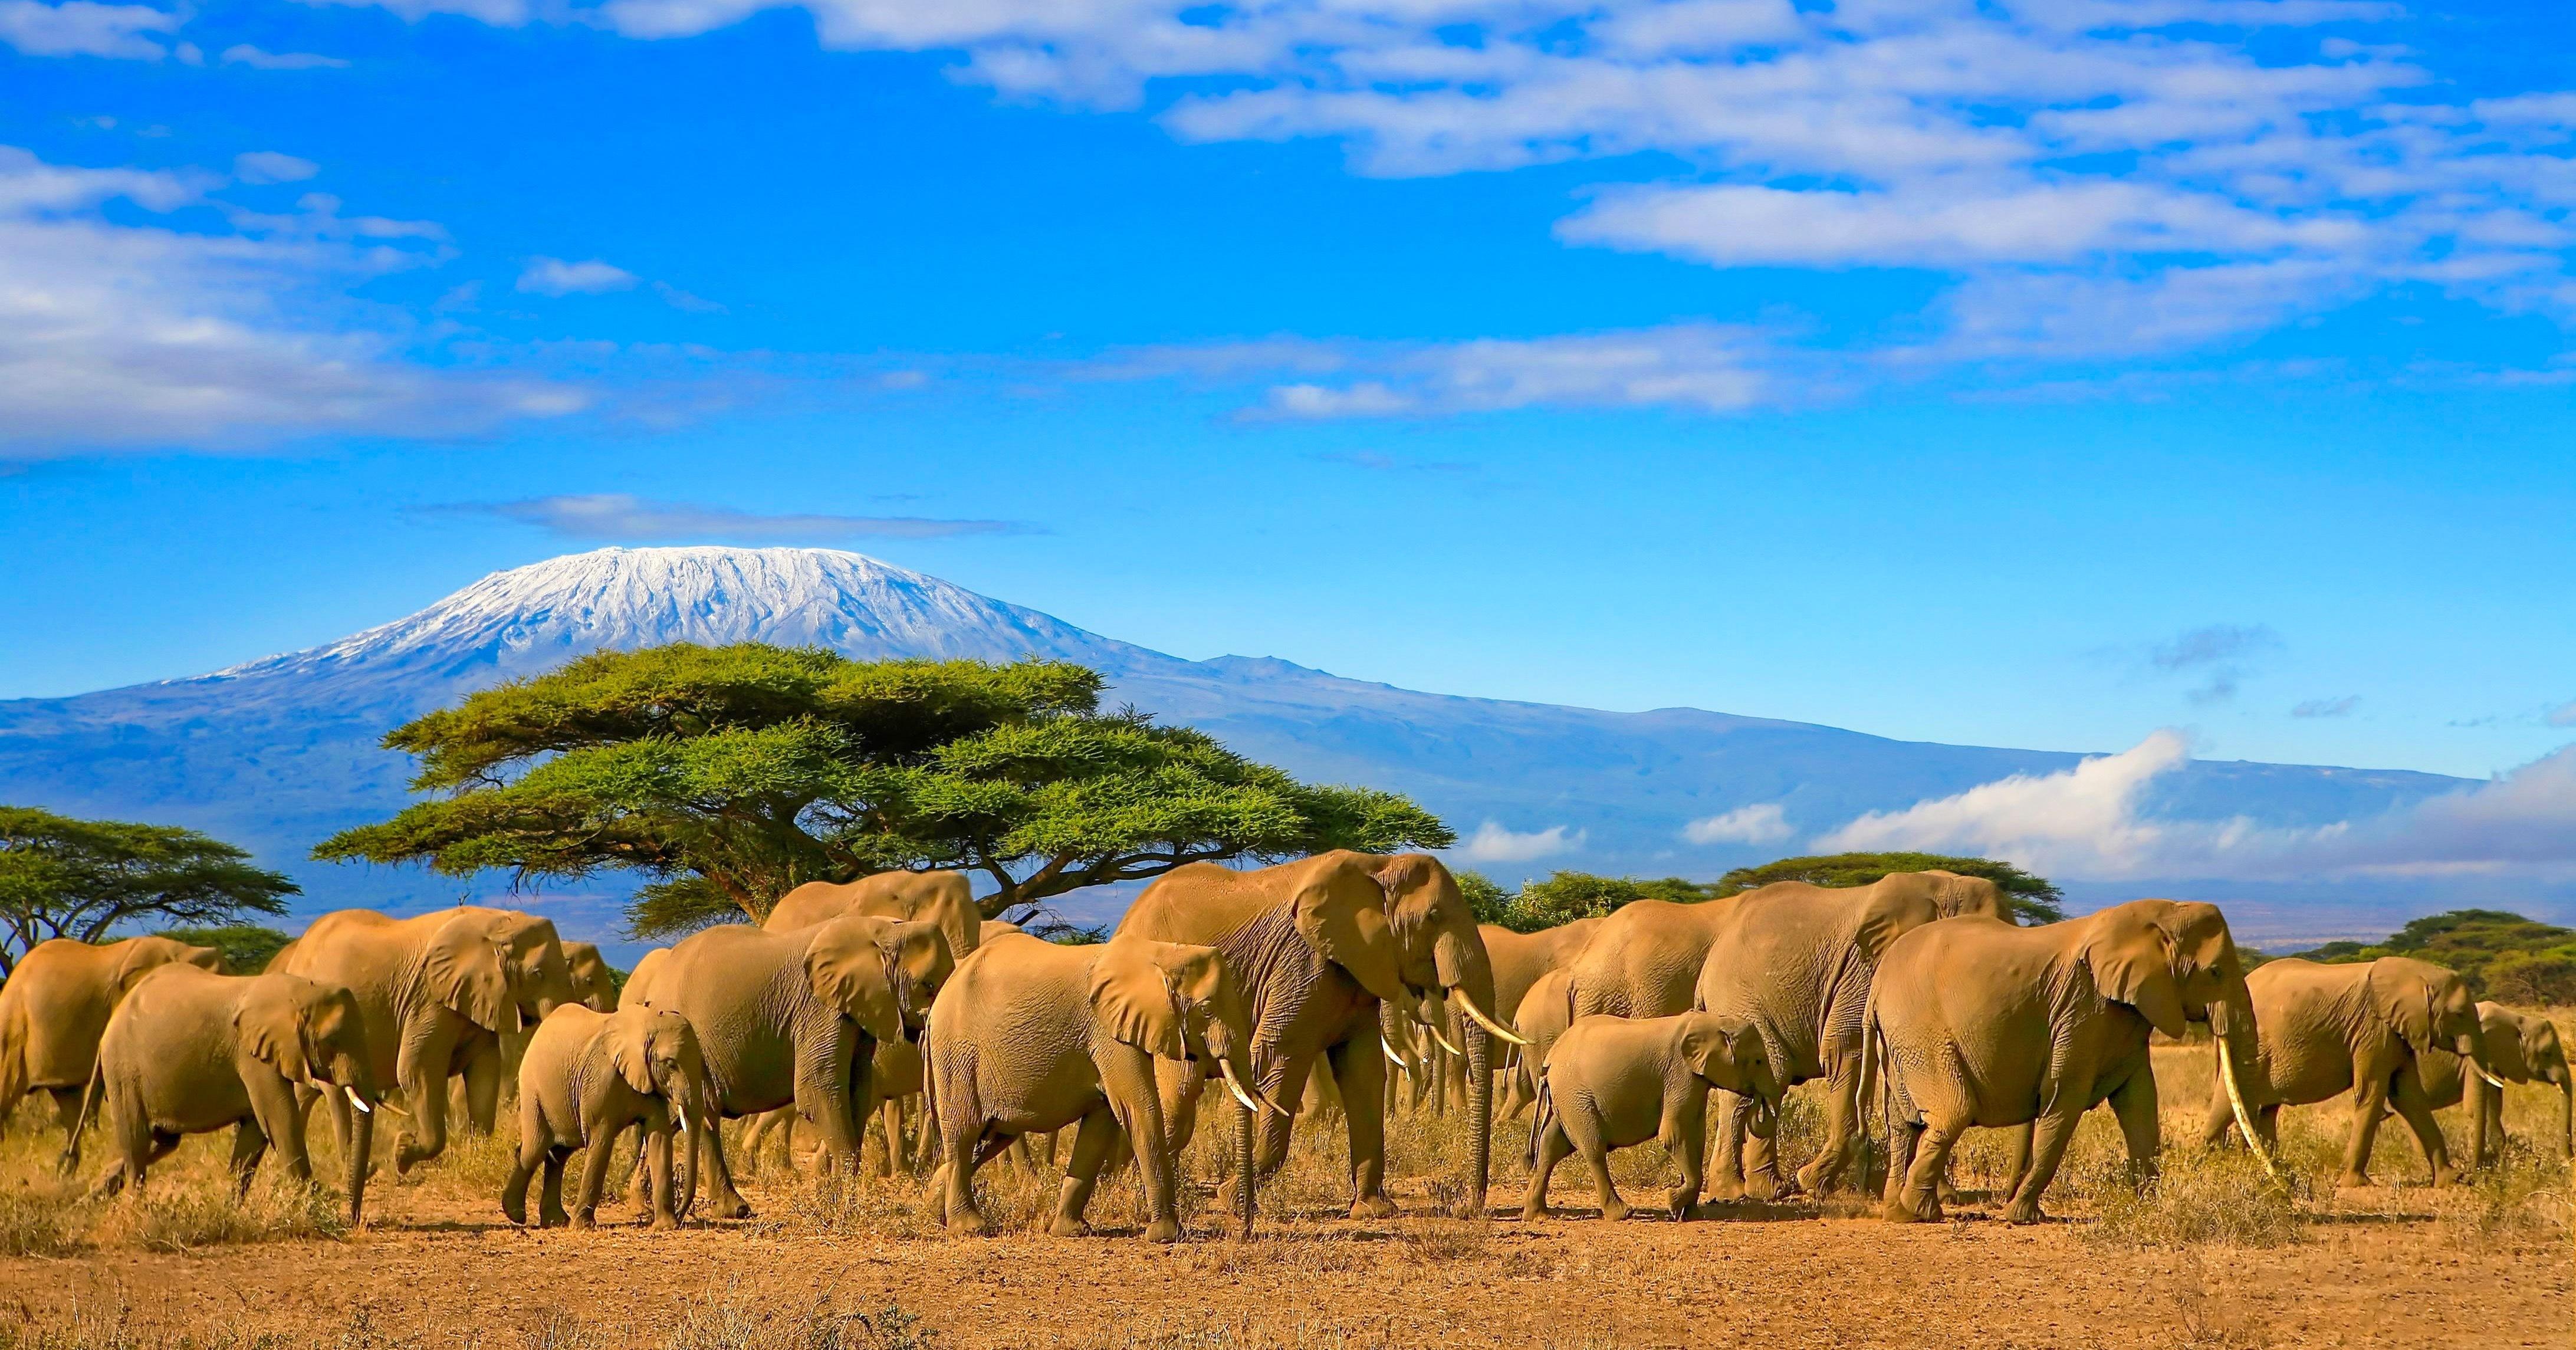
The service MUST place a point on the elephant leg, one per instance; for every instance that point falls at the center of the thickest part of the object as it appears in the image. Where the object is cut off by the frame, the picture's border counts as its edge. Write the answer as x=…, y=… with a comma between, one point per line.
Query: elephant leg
x=1127, y=1076
x=1917, y=1196
x=421, y=1073
x=272, y=1105
x=890, y=1116
x=2133, y=1104
x=550, y=1206
x=602, y=1138
x=2049, y=1136
x=1833, y=1159
x=1584, y=1133
x=728, y=1201
x=1091, y=1142
x=1762, y=1179
x=249, y=1143
x=1726, y=1165
x=2369, y=1102
x=2267, y=1122
x=70, y=1110
x=1552, y=1147
x=2218, y=1119
x=665, y=1209
x=1684, y=1135
x=2017, y=1154
x=2417, y=1111
x=523, y=1168
x=963, y=1142
x=1355, y=1066
x=482, y=1073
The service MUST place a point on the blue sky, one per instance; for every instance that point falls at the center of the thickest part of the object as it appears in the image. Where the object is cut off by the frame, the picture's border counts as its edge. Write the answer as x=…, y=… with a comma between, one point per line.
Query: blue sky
x=2037, y=375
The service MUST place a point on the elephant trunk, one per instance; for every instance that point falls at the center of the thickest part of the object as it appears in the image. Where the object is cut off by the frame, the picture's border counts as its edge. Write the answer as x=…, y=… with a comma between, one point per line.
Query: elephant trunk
x=362, y=1143
x=2566, y=1115
x=1468, y=973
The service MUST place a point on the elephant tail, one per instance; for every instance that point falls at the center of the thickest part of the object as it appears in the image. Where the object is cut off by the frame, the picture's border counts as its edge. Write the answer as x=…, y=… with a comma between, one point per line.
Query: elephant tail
x=1542, y=1116
x=1874, y=1070
x=92, y=1093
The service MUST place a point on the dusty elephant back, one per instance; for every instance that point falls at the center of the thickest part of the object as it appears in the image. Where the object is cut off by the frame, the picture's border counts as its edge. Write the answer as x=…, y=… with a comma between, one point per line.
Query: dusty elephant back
x=1645, y=959
x=940, y=898
x=1205, y=903
x=2302, y=1012
x=1519, y=959
x=57, y=1002
x=742, y=989
x=1009, y=1017
x=1798, y=958
x=169, y=1049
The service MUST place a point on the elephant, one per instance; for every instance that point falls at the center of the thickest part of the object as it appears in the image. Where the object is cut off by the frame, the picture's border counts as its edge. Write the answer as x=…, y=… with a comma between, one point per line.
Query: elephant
x=942, y=899
x=586, y=1077
x=594, y=985
x=794, y=1018
x=437, y=992
x=2520, y=1048
x=894, y=1075
x=1617, y=1081
x=1520, y=959
x=190, y=1051
x=1033, y=1036
x=2367, y=1028
x=1794, y=961
x=55, y=1007
x=1545, y=1012
x=1321, y=941
x=1984, y=1023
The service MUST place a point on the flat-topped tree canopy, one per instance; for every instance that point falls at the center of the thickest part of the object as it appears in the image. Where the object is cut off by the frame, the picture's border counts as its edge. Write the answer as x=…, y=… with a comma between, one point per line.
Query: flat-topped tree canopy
x=729, y=776
x=2034, y=899
x=86, y=879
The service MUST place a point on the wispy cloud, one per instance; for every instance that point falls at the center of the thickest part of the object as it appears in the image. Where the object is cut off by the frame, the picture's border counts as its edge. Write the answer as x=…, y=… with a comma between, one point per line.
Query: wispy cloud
x=554, y=276
x=2564, y=715
x=1492, y=843
x=268, y=166
x=618, y=516
x=2219, y=652
x=119, y=333
x=2091, y=822
x=244, y=54
x=82, y=28
x=2327, y=707
x=1760, y=824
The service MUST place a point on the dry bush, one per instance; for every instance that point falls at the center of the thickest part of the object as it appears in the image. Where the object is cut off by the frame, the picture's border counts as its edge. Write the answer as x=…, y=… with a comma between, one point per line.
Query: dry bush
x=2524, y=1197
x=42, y=1216
x=113, y=1328
x=836, y=1206
x=2200, y=1196
x=175, y=1215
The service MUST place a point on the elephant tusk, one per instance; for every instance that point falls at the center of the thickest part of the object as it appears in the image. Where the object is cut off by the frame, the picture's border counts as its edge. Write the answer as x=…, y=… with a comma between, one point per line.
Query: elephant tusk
x=2236, y=1103
x=2492, y=1080
x=1272, y=1102
x=1400, y=1061
x=357, y=1101
x=1227, y=1069
x=1443, y=1041
x=1492, y=1028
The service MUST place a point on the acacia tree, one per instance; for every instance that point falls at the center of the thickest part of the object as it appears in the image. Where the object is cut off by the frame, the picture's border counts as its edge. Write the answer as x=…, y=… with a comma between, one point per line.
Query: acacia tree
x=1567, y=896
x=728, y=776
x=61, y=877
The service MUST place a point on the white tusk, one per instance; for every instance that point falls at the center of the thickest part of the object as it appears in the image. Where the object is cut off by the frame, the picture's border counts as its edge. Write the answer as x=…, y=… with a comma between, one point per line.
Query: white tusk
x=2482, y=1073
x=357, y=1101
x=1227, y=1069
x=1273, y=1103
x=1400, y=1061
x=1443, y=1041
x=1491, y=1027
x=2244, y=1118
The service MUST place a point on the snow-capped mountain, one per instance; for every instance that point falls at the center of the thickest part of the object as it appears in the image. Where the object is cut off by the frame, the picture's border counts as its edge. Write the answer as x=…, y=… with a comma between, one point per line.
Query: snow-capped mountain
x=276, y=753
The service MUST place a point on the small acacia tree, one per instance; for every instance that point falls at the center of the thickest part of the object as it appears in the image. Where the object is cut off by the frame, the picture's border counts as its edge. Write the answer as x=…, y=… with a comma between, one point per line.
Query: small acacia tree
x=730, y=775
x=84, y=879
x=1567, y=896
x=2033, y=899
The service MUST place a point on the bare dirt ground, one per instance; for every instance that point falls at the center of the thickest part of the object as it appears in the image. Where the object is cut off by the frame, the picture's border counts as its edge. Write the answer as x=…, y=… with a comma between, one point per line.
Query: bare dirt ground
x=437, y=1266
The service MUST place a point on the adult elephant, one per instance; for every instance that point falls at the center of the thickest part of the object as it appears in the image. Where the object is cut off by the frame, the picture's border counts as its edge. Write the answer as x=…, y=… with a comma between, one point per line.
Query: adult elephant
x=594, y=985
x=1988, y=1024
x=1794, y=961
x=1520, y=959
x=55, y=1007
x=795, y=1018
x=1545, y=1013
x=1319, y=943
x=2368, y=1028
x=941, y=899
x=2523, y=1048
x=1033, y=1036
x=437, y=992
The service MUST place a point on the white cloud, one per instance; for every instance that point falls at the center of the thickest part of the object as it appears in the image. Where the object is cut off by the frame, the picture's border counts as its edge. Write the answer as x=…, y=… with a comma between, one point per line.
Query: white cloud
x=244, y=54
x=2327, y=707
x=1759, y=824
x=554, y=276
x=2087, y=823
x=115, y=334
x=2564, y=715
x=268, y=166
x=1491, y=843
x=619, y=516
x=82, y=28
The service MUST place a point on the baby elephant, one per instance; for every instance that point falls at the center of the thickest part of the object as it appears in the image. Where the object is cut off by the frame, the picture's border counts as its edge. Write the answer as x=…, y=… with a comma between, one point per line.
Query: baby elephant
x=190, y=1051
x=1615, y=1081
x=586, y=1077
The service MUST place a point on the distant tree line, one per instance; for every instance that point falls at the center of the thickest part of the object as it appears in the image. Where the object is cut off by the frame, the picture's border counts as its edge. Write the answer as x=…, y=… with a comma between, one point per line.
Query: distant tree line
x=1567, y=896
x=89, y=879
x=2502, y=955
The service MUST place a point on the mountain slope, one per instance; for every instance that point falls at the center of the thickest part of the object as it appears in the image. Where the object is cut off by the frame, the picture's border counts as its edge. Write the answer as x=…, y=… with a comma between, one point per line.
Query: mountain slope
x=279, y=752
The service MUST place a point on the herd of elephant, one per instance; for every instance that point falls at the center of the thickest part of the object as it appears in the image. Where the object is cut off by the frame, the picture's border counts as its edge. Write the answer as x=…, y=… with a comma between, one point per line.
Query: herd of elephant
x=1315, y=981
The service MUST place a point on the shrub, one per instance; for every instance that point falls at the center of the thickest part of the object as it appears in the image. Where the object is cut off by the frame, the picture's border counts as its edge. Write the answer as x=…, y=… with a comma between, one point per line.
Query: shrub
x=2213, y=1196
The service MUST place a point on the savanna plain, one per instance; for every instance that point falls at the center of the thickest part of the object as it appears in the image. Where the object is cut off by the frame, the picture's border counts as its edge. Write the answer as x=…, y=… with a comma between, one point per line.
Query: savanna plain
x=2212, y=1255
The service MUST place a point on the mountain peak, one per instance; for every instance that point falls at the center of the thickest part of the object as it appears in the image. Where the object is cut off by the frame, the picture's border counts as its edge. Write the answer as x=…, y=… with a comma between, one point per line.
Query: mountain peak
x=536, y=617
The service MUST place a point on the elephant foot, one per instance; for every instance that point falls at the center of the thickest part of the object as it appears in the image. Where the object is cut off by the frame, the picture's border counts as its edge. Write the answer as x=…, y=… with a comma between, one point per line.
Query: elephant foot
x=2354, y=1181
x=517, y=1214
x=965, y=1222
x=1162, y=1230
x=2446, y=1175
x=1532, y=1212
x=1682, y=1205
x=1727, y=1188
x=1614, y=1210
x=733, y=1207
x=665, y=1222
x=1373, y=1207
x=1067, y=1225
x=585, y=1220
x=2024, y=1212
x=1468, y=1207
x=1898, y=1211
x=553, y=1218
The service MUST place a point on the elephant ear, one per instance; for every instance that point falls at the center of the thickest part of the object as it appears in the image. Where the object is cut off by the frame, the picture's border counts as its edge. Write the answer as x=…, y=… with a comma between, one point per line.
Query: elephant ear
x=2405, y=1001
x=1132, y=994
x=847, y=970
x=630, y=1050
x=1708, y=1047
x=1341, y=912
x=2132, y=960
x=272, y=1022
x=465, y=971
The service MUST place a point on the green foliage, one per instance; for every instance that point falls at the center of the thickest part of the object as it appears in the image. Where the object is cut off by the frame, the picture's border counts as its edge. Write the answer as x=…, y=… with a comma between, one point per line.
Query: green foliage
x=61, y=877
x=2033, y=899
x=728, y=776
x=246, y=947
x=1567, y=896
x=2502, y=955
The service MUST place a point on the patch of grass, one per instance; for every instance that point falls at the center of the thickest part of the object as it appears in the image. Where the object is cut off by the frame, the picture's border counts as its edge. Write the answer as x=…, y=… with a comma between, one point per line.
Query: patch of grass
x=42, y=1216
x=2201, y=1197
x=2523, y=1197
x=735, y=1321
x=112, y=1328
x=182, y=1217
